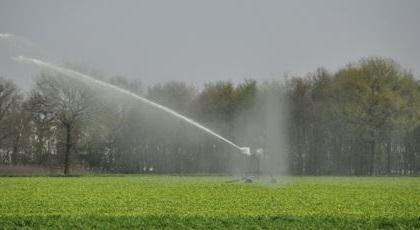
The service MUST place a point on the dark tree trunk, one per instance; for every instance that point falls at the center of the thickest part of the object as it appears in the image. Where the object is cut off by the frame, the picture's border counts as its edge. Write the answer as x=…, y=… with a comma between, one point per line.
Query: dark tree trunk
x=15, y=151
x=68, y=149
x=388, y=157
x=372, y=167
x=374, y=161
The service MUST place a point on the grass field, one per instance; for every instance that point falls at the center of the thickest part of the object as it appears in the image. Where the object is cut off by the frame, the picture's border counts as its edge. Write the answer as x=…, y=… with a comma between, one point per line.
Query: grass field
x=147, y=202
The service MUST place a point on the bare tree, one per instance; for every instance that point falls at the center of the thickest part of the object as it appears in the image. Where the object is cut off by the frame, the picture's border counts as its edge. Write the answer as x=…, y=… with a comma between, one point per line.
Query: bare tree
x=64, y=101
x=10, y=101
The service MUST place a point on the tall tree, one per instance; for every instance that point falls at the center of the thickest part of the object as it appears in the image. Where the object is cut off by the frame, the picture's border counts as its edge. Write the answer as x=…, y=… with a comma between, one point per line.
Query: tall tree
x=371, y=103
x=10, y=102
x=68, y=104
x=10, y=99
x=215, y=106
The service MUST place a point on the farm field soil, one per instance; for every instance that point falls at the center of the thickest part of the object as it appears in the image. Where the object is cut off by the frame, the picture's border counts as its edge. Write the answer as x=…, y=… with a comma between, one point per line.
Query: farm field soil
x=156, y=202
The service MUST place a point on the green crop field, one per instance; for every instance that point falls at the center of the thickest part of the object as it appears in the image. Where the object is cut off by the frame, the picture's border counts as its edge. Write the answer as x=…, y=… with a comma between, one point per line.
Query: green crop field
x=147, y=202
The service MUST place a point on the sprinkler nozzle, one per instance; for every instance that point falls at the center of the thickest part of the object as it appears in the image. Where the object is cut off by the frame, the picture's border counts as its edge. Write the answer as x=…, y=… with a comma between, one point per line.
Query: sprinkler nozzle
x=246, y=150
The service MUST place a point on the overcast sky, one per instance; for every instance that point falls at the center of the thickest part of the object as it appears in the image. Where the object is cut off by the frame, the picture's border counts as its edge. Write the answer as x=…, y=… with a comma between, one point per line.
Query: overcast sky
x=201, y=41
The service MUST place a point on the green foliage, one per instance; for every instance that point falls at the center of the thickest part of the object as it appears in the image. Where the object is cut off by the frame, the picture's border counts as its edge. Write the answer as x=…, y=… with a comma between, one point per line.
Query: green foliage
x=369, y=94
x=208, y=202
x=374, y=100
x=245, y=94
x=216, y=101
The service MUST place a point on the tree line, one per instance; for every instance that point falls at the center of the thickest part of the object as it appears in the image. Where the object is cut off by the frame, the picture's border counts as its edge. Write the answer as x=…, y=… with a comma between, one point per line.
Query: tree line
x=364, y=119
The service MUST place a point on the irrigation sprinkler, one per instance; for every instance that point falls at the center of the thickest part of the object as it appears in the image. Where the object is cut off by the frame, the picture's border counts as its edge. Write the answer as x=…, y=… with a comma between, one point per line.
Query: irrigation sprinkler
x=256, y=155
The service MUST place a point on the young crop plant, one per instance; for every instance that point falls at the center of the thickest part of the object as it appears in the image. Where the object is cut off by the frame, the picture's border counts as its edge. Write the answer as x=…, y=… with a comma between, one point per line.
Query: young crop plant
x=209, y=202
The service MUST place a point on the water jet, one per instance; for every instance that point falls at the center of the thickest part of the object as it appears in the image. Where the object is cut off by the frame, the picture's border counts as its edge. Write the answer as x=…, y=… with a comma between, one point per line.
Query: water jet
x=87, y=78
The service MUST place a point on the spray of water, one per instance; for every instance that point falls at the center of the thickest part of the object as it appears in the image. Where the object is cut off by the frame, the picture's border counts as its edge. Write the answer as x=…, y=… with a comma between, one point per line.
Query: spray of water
x=16, y=40
x=5, y=35
x=86, y=78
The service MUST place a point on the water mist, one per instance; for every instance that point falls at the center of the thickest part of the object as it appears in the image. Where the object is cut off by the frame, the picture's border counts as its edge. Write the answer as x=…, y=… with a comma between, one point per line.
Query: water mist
x=263, y=125
x=89, y=79
x=275, y=146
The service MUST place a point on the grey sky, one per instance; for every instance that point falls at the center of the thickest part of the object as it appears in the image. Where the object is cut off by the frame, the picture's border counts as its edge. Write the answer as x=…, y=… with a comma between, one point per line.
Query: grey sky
x=201, y=41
